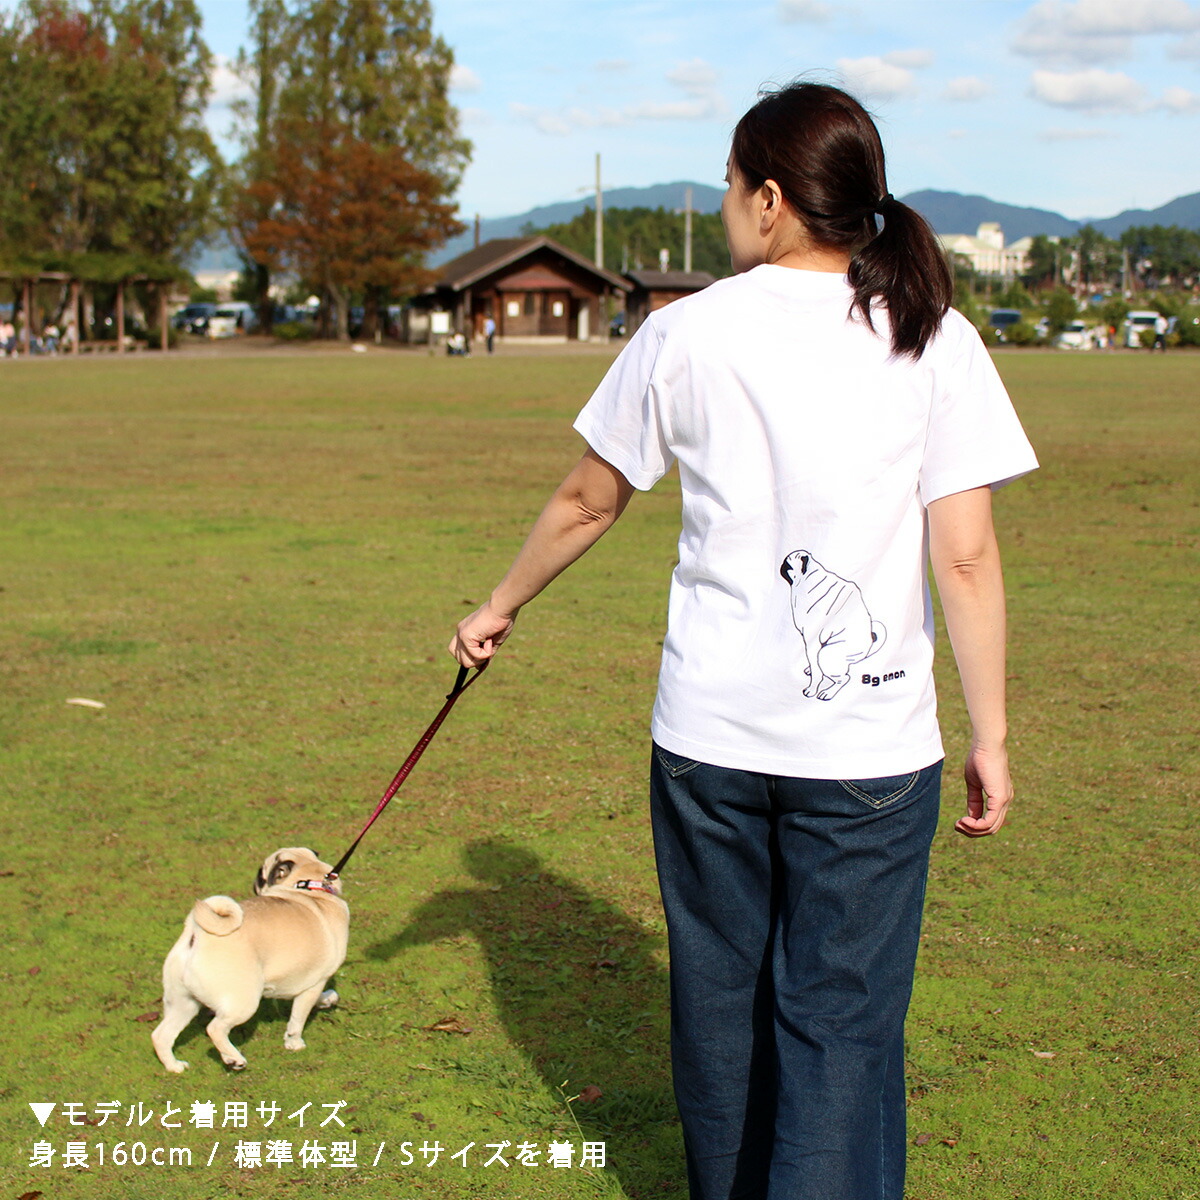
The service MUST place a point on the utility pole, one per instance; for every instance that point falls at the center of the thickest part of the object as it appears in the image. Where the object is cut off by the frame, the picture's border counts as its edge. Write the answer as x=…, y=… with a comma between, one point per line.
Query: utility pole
x=599, y=217
x=687, y=230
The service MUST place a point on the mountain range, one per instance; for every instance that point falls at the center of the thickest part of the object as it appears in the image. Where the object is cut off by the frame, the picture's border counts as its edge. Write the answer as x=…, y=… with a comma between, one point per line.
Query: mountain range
x=947, y=212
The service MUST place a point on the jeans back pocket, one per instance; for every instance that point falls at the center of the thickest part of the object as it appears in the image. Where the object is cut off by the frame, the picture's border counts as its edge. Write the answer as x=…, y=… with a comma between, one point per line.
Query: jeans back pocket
x=674, y=764
x=879, y=793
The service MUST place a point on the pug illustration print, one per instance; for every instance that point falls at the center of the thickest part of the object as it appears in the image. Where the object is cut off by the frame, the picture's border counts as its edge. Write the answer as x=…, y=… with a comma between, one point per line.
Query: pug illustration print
x=833, y=621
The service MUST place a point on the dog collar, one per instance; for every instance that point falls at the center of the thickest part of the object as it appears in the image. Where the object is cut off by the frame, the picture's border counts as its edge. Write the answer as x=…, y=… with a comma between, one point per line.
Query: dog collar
x=315, y=885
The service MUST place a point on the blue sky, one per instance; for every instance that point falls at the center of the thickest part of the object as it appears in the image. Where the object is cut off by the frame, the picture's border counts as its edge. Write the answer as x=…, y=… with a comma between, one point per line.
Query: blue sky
x=1086, y=107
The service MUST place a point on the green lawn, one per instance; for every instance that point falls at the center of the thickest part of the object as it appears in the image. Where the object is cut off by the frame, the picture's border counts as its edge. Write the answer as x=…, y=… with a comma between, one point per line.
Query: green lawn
x=255, y=564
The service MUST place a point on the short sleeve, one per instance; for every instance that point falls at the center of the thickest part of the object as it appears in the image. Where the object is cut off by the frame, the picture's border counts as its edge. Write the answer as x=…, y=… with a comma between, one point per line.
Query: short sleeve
x=623, y=422
x=974, y=438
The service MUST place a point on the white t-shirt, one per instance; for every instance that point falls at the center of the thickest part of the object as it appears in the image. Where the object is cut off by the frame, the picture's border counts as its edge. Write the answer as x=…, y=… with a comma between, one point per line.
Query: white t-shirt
x=800, y=626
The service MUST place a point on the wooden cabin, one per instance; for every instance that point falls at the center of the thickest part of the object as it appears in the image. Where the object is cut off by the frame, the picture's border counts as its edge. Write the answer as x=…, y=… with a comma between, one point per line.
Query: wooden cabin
x=532, y=287
x=651, y=290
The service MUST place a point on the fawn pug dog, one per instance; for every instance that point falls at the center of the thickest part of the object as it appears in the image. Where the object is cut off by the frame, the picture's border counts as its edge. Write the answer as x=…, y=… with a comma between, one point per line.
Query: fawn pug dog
x=285, y=942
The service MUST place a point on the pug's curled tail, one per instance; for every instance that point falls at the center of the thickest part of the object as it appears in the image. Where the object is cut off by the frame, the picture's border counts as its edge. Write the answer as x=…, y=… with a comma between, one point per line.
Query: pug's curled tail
x=220, y=915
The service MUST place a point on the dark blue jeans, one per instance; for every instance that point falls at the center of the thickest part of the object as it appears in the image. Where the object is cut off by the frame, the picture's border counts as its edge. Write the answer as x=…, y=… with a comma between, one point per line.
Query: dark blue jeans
x=793, y=915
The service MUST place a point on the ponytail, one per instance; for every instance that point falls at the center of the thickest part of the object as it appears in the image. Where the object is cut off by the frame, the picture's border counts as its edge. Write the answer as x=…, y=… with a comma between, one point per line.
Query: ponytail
x=823, y=150
x=904, y=266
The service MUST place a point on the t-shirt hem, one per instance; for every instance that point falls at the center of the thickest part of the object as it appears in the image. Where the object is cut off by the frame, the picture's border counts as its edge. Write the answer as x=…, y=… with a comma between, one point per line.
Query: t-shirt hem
x=896, y=761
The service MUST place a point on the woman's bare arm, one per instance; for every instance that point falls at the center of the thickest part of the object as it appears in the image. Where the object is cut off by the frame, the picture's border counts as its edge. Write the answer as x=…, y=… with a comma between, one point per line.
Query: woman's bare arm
x=586, y=504
x=966, y=566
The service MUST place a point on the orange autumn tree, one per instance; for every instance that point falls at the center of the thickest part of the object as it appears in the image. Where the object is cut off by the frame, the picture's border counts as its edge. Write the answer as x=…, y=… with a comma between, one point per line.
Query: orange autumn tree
x=347, y=215
x=352, y=147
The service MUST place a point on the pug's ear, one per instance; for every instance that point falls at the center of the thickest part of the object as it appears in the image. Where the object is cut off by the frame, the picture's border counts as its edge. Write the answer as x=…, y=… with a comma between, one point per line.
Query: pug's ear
x=259, y=882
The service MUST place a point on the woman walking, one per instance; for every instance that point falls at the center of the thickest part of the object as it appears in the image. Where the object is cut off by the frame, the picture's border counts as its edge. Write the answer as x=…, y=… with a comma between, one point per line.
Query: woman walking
x=837, y=428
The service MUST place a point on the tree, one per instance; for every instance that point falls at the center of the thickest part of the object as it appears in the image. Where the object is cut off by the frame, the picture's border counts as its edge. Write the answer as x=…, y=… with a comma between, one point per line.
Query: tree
x=1043, y=261
x=1060, y=309
x=347, y=214
x=359, y=84
x=1159, y=253
x=108, y=168
x=271, y=31
x=634, y=236
x=1099, y=257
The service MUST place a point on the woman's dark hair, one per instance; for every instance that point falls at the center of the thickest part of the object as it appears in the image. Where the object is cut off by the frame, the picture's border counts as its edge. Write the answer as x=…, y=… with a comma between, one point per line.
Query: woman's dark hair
x=823, y=150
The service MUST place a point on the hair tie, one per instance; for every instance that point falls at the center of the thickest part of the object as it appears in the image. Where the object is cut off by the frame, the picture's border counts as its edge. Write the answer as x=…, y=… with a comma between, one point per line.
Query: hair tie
x=880, y=205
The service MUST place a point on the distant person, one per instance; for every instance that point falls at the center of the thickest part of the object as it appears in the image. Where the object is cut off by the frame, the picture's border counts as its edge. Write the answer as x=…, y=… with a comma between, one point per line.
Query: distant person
x=50, y=336
x=8, y=338
x=489, y=332
x=836, y=429
x=1160, y=333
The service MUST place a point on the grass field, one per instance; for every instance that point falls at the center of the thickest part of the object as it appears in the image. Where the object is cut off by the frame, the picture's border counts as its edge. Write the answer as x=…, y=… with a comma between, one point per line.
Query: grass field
x=255, y=565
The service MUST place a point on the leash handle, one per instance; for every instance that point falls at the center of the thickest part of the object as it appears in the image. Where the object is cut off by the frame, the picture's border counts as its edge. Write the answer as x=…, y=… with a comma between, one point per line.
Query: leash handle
x=461, y=684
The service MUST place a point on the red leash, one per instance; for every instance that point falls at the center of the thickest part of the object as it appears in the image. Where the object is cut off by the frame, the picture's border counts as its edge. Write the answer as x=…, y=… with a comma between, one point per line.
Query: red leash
x=460, y=685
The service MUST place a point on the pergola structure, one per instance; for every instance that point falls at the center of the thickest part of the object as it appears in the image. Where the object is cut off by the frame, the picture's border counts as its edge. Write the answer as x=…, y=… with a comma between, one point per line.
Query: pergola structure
x=29, y=281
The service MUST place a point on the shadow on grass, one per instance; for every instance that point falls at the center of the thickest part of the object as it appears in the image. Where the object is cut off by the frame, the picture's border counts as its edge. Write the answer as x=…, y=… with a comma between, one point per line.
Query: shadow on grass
x=577, y=987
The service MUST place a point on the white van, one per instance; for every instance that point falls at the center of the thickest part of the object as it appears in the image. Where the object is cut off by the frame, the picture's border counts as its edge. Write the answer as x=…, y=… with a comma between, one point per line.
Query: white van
x=231, y=319
x=1135, y=322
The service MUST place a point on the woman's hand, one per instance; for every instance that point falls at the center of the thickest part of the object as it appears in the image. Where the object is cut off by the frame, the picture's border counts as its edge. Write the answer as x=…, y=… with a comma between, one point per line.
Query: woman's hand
x=479, y=636
x=989, y=792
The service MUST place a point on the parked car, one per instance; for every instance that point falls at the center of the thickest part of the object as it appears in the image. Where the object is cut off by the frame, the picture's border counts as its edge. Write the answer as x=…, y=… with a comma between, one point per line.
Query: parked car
x=230, y=320
x=1075, y=336
x=1135, y=323
x=1002, y=318
x=193, y=317
x=616, y=327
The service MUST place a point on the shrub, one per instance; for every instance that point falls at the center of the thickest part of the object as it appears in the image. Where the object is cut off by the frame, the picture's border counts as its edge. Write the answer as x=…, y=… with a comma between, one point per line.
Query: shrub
x=295, y=331
x=1188, y=330
x=1021, y=334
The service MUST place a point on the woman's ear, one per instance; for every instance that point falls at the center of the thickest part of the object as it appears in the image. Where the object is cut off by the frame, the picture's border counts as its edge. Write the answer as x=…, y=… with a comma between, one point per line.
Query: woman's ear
x=770, y=198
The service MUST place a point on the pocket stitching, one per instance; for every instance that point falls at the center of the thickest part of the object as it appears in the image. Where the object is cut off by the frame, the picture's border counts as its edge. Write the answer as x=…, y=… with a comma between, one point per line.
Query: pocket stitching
x=685, y=764
x=859, y=794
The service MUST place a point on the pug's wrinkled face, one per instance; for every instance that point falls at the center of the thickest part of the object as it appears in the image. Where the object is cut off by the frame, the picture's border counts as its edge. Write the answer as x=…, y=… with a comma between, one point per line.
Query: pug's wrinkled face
x=291, y=865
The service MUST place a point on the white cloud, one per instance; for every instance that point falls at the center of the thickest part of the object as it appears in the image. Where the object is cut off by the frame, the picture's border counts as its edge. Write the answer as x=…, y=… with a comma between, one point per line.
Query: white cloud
x=1185, y=48
x=561, y=122
x=696, y=77
x=672, y=110
x=1124, y=16
x=956, y=134
x=910, y=59
x=1073, y=135
x=553, y=124
x=227, y=86
x=463, y=79
x=615, y=65
x=876, y=78
x=812, y=12
x=475, y=116
x=1092, y=91
x=1180, y=100
x=1097, y=31
x=967, y=87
